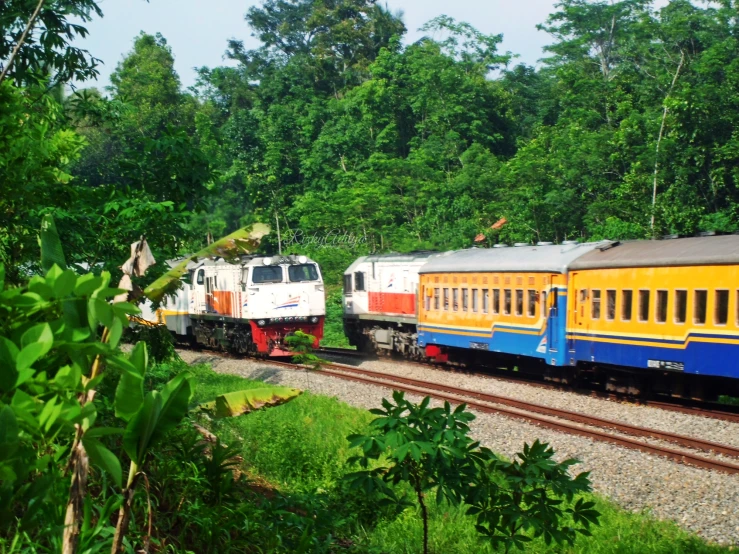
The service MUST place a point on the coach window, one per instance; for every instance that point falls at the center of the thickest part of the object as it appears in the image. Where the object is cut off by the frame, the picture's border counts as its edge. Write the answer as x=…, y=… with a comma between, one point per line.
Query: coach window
x=644, y=305
x=681, y=306
x=486, y=300
x=595, y=304
x=455, y=299
x=436, y=299
x=507, y=301
x=201, y=277
x=446, y=299
x=700, y=306
x=496, y=301
x=531, y=304
x=465, y=299
x=721, y=314
x=627, y=301
x=519, y=302
x=426, y=299
x=610, y=305
x=475, y=294
x=660, y=311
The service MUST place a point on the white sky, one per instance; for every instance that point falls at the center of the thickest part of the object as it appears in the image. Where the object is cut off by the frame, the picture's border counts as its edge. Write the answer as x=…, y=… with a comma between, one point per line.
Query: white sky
x=198, y=30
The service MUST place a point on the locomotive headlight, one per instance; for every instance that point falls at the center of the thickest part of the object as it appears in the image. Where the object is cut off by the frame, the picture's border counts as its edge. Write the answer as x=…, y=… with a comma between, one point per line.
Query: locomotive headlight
x=267, y=261
x=261, y=323
x=314, y=319
x=302, y=259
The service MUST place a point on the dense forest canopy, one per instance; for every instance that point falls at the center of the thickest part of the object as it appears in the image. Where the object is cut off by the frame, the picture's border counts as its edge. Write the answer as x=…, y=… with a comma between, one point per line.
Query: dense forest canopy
x=629, y=129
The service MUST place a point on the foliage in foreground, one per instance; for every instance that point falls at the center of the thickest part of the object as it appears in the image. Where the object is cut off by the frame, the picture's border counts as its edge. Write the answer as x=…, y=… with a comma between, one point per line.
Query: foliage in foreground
x=430, y=449
x=308, y=475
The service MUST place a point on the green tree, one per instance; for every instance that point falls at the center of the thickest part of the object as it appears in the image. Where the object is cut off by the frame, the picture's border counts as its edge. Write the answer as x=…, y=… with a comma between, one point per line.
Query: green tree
x=35, y=40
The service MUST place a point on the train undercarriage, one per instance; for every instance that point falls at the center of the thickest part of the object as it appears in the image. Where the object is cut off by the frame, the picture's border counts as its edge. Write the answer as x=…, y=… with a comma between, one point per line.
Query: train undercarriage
x=399, y=339
x=251, y=338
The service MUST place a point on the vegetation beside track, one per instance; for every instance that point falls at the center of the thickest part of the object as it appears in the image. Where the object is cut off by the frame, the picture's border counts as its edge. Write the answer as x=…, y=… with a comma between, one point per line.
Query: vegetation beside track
x=299, y=450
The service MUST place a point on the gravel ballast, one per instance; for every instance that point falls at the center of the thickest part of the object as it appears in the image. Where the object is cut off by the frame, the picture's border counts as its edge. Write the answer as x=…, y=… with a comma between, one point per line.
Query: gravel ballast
x=701, y=501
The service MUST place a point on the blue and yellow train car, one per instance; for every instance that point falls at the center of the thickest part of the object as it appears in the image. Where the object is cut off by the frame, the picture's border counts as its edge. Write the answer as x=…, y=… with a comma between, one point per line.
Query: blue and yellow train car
x=669, y=305
x=510, y=300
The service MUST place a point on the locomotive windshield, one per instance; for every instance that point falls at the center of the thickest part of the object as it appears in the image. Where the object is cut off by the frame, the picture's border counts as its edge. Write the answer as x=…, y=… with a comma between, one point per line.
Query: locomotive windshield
x=267, y=274
x=302, y=272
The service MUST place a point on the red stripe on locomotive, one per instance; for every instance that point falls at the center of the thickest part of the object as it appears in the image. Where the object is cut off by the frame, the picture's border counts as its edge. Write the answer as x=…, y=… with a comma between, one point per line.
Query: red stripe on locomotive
x=392, y=302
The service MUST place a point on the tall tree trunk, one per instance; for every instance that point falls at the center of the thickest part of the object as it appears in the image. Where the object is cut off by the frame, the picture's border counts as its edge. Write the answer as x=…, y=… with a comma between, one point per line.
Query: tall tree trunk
x=659, y=137
x=22, y=39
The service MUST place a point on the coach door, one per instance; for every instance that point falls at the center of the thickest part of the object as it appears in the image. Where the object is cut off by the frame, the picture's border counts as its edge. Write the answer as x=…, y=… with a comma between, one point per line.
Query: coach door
x=574, y=319
x=550, y=302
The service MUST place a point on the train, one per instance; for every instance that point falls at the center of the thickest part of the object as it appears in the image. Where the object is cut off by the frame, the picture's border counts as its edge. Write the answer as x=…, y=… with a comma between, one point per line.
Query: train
x=247, y=307
x=633, y=317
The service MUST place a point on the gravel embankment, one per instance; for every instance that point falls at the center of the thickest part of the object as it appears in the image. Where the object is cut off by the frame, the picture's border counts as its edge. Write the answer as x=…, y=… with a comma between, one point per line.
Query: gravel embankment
x=701, y=501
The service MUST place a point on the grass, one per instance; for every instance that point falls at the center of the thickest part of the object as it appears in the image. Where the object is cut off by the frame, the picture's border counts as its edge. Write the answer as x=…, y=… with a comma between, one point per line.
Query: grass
x=301, y=447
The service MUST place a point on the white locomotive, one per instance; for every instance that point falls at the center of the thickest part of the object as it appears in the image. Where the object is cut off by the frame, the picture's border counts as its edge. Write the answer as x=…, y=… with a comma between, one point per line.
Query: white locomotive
x=247, y=307
x=380, y=303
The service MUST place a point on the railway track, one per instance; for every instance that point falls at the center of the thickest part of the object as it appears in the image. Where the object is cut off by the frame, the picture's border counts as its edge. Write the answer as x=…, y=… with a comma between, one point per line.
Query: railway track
x=565, y=421
x=704, y=409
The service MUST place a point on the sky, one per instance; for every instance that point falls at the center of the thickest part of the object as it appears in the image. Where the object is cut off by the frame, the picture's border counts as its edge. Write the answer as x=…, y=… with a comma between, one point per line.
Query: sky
x=198, y=30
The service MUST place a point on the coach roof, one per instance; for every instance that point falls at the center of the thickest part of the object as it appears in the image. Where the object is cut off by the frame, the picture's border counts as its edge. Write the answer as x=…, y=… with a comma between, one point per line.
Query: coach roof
x=523, y=259
x=718, y=250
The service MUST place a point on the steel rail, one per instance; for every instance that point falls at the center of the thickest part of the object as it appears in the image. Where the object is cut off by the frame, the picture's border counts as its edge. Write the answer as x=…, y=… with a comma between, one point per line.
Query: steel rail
x=677, y=455
x=682, y=440
x=444, y=392
x=712, y=412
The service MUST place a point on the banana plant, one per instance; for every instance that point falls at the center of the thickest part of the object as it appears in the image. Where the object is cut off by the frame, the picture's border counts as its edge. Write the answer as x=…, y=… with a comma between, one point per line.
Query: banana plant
x=243, y=241
x=240, y=402
x=148, y=417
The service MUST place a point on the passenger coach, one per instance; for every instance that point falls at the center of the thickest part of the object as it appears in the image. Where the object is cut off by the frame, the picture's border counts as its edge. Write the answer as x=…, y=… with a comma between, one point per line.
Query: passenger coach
x=667, y=305
x=510, y=300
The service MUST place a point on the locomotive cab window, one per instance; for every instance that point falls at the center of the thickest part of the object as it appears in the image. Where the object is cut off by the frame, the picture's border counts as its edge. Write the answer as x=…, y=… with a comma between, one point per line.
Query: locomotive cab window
x=302, y=272
x=595, y=305
x=660, y=309
x=531, y=304
x=267, y=274
x=627, y=301
x=721, y=313
x=681, y=306
x=644, y=305
x=700, y=302
x=201, y=277
x=348, y=285
x=610, y=305
x=359, y=280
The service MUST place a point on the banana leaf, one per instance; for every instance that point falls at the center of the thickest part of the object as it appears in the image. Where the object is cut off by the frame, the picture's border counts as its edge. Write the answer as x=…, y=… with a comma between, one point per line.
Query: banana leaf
x=240, y=402
x=230, y=247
